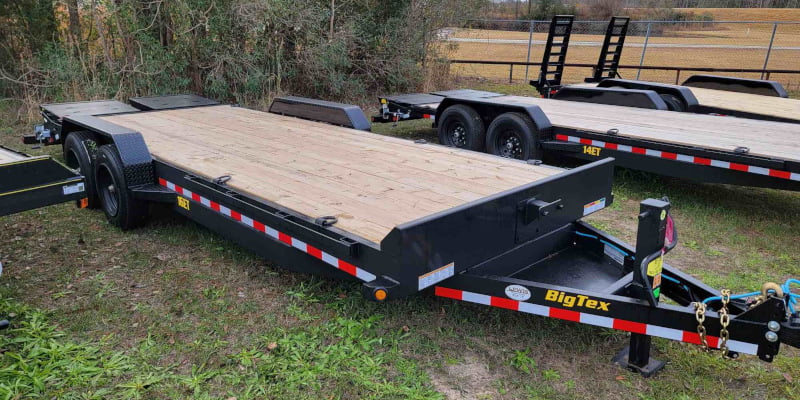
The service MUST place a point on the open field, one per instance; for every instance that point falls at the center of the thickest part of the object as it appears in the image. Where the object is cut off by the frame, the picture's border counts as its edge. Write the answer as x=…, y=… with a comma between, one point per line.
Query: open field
x=720, y=46
x=174, y=311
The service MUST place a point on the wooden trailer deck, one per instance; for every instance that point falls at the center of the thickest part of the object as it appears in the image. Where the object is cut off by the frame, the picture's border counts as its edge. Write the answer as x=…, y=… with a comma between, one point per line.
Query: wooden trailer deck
x=763, y=138
x=372, y=183
x=751, y=103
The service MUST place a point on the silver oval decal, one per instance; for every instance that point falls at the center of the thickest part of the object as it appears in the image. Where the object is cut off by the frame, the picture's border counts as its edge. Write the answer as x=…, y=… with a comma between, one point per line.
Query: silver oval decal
x=517, y=292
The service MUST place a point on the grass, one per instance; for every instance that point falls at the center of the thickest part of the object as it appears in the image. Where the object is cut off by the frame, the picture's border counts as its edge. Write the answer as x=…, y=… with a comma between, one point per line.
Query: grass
x=174, y=311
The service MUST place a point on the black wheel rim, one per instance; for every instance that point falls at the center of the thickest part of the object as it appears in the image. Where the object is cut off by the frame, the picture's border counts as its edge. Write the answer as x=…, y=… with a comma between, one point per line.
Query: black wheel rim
x=456, y=134
x=109, y=192
x=509, y=145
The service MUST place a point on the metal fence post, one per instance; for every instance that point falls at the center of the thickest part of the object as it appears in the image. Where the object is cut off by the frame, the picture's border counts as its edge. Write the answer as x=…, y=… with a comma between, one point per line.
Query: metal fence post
x=769, y=49
x=530, y=44
x=644, y=49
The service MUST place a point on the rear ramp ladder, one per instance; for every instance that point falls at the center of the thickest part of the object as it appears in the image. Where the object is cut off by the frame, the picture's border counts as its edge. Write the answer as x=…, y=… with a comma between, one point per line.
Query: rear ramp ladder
x=555, y=55
x=608, y=63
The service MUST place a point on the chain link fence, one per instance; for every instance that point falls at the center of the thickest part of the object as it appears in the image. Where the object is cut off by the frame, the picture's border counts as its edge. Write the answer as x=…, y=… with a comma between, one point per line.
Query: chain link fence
x=767, y=50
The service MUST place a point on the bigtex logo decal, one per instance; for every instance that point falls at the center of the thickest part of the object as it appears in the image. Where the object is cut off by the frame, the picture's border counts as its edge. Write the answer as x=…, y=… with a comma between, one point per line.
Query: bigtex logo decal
x=572, y=301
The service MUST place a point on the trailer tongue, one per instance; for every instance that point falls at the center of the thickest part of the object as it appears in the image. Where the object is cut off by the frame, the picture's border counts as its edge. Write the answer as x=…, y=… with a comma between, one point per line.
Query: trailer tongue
x=402, y=217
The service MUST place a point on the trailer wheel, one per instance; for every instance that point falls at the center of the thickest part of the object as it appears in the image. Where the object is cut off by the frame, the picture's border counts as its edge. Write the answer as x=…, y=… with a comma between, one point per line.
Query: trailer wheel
x=121, y=208
x=673, y=103
x=461, y=126
x=79, y=151
x=511, y=135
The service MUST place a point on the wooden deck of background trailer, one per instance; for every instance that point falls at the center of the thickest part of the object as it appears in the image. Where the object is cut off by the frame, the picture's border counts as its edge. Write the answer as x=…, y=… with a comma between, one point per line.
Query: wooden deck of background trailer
x=372, y=183
x=7, y=156
x=746, y=102
x=763, y=138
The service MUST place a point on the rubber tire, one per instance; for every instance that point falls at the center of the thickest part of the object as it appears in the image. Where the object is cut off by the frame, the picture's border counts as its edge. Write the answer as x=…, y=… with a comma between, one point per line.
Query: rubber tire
x=673, y=103
x=81, y=159
x=519, y=123
x=475, y=135
x=129, y=212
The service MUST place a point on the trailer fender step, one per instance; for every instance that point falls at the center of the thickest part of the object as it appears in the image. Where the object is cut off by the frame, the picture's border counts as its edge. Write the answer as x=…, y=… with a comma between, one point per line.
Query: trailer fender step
x=323, y=111
x=616, y=97
x=740, y=85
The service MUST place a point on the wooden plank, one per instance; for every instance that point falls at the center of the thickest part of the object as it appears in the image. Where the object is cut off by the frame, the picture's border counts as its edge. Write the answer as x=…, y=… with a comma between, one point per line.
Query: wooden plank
x=371, y=182
x=7, y=156
x=764, y=138
x=746, y=102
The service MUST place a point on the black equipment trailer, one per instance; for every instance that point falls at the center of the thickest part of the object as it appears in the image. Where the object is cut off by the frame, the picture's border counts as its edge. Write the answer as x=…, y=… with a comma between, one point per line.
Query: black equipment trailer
x=402, y=216
x=29, y=182
x=703, y=148
x=700, y=94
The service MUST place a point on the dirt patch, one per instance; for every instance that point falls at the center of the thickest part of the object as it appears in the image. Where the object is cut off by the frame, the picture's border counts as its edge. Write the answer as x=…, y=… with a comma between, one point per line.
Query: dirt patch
x=466, y=380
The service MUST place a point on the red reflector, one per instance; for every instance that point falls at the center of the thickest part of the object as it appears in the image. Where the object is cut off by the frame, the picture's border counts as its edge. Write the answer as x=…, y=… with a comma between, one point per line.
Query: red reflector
x=612, y=146
x=565, y=314
x=739, y=167
x=669, y=156
x=586, y=141
x=347, y=267
x=504, y=303
x=259, y=226
x=780, y=174
x=162, y=182
x=314, y=251
x=285, y=238
x=630, y=326
x=702, y=161
x=564, y=138
x=639, y=150
x=449, y=293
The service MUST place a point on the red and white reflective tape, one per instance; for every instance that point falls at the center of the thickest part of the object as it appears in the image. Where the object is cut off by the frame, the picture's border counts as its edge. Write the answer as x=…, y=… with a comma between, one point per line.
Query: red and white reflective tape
x=682, y=157
x=429, y=116
x=271, y=232
x=592, y=319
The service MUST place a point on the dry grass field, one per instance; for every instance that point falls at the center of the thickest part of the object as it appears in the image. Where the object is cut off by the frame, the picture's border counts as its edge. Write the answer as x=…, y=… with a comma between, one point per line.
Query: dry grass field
x=673, y=47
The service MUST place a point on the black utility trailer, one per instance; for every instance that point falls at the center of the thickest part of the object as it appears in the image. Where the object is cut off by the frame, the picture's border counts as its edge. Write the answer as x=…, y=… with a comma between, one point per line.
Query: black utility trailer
x=401, y=217
x=698, y=147
x=29, y=182
x=701, y=94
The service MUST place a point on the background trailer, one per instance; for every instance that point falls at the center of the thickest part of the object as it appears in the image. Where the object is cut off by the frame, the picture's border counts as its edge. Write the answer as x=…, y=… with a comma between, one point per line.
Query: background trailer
x=704, y=148
x=701, y=94
x=401, y=217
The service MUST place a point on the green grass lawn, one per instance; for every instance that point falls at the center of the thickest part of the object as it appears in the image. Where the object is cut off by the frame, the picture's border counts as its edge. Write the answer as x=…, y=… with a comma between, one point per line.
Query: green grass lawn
x=174, y=311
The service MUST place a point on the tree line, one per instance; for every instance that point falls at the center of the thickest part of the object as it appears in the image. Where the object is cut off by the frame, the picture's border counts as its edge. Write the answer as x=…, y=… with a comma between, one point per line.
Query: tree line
x=242, y=51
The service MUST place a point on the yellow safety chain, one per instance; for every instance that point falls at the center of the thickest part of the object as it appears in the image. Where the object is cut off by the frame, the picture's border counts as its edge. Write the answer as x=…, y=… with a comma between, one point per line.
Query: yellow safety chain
x=724, y=321
x=700, y=314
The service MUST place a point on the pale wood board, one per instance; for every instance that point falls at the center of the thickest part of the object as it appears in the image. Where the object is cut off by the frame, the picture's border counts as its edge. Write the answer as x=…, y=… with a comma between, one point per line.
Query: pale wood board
x=763, y=138
x=372, y=183
x=746, y=102
x=7, y=156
